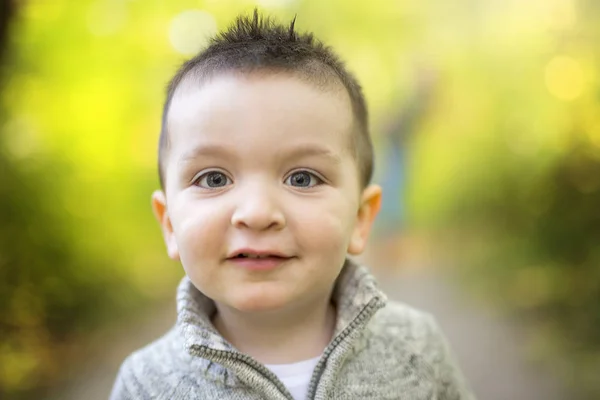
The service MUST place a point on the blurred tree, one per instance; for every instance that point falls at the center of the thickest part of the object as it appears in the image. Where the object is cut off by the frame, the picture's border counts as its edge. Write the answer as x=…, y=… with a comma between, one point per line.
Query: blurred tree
x=46, y=293
x=6, y=13
x=512, y=170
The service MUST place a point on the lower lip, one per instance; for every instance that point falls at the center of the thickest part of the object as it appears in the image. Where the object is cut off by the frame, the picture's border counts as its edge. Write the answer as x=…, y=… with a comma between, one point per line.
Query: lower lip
x=259, y=264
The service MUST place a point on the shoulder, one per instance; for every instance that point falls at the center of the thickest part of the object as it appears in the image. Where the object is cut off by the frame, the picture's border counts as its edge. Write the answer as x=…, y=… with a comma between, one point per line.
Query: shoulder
x=406, y=332
x=152, y=371
x=400, y=320
x=160, y=354
x=410, y=330
x=414, y=338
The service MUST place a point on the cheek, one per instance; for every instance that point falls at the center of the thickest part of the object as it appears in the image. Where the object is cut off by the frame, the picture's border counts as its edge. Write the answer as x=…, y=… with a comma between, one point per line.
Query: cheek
x=199, y=228
x=326, y=226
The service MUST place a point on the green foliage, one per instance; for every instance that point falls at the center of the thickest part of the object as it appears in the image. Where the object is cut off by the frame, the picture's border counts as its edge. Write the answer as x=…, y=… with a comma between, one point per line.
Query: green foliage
x=47, y=288
x=69, y=231
x=514, y=174
x=534, y=249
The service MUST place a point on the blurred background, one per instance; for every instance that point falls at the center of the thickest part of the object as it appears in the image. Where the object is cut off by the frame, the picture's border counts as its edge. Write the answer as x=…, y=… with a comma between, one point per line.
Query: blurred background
x=486, y=120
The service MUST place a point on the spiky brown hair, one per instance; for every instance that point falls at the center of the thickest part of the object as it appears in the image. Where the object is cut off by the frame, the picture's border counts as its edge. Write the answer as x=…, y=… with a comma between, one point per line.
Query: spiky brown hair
x=255, y=43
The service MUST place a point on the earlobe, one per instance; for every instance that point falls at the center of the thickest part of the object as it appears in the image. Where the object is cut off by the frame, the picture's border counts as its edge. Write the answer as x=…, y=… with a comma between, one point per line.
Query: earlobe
x=369, y=208
x=159, y=207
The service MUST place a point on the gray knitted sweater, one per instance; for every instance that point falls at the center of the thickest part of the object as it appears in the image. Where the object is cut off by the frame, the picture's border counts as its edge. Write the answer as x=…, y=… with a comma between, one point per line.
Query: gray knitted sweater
x=380, y=350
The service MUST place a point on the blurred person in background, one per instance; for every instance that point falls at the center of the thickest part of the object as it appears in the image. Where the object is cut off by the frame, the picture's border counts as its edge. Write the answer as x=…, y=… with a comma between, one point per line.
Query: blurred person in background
x=392, y=171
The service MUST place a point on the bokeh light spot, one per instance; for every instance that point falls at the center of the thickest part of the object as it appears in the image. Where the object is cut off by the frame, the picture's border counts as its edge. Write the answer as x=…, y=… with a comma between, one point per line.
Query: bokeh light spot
x=190, y=31
x=21, y=137
x=564, y=78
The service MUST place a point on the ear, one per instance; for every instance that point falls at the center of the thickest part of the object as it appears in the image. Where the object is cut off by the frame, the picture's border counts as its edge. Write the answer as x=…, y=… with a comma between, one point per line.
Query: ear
x=370, y=204
x=159, y=206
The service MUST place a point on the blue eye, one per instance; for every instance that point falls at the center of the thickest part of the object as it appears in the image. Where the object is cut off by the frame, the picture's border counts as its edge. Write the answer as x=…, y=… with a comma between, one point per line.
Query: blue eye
x=303, y=179
x=213, y=180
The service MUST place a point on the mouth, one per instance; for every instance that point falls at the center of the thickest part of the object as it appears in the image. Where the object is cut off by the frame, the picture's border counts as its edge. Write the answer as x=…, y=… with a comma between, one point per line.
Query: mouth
x=257, y=256
x=259, y=260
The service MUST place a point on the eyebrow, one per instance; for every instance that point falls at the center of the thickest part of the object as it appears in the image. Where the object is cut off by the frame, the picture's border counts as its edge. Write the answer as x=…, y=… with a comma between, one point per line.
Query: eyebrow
x=207, y=150
x=300, y=151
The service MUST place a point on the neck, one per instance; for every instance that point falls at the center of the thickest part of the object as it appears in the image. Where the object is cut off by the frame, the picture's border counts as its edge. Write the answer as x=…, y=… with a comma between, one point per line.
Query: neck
x=278, y=337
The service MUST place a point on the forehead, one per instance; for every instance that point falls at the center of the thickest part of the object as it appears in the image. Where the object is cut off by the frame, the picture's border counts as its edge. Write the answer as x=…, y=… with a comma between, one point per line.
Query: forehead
x=274, y=110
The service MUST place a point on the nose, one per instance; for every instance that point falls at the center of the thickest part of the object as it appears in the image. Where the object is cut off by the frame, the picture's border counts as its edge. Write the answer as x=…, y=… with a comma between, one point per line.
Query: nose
x=258, y=209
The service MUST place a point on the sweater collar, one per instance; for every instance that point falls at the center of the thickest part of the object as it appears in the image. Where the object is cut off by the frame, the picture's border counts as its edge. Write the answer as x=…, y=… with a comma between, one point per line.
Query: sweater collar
x=354, y=289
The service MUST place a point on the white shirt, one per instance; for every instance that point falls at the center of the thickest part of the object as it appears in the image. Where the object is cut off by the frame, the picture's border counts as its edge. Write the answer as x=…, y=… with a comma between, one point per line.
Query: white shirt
x=296, y=376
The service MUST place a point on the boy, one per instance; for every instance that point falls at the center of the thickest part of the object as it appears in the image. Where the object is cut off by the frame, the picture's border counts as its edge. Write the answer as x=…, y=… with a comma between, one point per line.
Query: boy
x=265, y=162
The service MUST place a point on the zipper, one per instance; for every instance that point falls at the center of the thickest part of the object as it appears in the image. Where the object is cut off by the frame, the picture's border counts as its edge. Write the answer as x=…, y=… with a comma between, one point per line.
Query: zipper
x=229, y=358
x=356, y=322
x=224, y=357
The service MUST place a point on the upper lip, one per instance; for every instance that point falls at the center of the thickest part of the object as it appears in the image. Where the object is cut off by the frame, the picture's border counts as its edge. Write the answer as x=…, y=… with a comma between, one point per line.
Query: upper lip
x=256, y=252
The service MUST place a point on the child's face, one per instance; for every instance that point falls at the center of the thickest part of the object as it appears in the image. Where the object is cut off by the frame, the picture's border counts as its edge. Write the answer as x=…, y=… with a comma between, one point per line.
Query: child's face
x=262, y=163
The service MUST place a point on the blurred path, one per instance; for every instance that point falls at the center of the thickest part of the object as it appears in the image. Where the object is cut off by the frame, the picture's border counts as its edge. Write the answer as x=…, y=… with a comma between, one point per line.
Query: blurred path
x=489, y=350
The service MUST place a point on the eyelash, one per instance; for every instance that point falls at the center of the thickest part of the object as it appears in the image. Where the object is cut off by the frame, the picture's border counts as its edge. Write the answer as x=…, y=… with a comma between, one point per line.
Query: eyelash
x=312, y=174
x=196, y=181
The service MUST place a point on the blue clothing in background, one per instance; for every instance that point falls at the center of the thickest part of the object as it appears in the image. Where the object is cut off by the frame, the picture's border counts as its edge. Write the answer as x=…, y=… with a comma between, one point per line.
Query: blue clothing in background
x=392, y=180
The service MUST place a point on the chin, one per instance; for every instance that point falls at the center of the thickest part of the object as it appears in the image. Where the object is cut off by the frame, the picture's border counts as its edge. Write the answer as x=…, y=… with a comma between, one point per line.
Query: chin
x=256, y=301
